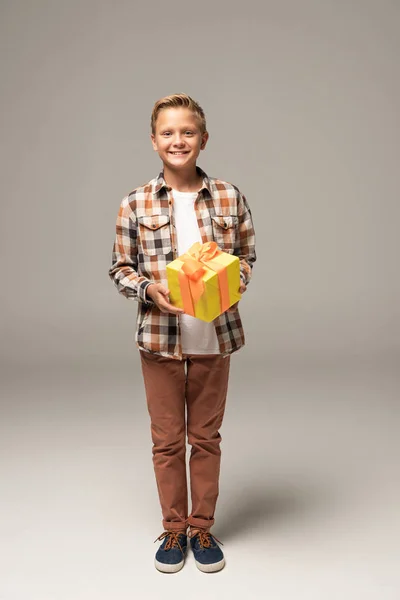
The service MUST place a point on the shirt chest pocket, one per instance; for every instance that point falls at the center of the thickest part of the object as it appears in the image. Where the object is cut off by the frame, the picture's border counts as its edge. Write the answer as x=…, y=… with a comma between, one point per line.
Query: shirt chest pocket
x=154, y=234
x=224, y=231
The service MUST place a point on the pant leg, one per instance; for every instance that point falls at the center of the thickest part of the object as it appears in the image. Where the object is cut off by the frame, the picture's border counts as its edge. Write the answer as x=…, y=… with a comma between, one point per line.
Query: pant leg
x=206, y=390
x=164, y=380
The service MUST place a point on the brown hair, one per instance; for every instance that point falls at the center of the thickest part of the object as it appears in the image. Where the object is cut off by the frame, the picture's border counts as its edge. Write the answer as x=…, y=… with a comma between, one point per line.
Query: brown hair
x=176, y=101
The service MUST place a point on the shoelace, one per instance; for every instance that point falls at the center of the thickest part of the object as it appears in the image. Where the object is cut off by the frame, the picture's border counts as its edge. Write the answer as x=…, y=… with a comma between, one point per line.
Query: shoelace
x=205, y=538
x=173, y=539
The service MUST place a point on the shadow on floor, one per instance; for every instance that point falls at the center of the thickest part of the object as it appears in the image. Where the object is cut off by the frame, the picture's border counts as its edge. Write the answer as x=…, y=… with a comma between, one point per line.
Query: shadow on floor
x=255, y=508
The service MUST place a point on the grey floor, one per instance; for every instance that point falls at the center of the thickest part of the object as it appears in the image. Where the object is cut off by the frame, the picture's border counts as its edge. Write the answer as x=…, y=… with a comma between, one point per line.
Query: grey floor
x=309, y=488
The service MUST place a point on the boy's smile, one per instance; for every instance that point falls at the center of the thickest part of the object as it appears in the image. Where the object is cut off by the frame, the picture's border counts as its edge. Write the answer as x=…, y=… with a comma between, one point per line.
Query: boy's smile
x=178, y=138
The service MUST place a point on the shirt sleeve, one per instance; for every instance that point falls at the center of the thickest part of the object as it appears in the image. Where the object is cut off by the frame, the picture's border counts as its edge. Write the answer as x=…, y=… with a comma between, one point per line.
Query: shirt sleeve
x=246, y=251
x=124, y=268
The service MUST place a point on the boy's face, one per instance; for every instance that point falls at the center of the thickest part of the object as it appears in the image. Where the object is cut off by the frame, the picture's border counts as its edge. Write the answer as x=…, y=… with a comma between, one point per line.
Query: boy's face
x=178, y=138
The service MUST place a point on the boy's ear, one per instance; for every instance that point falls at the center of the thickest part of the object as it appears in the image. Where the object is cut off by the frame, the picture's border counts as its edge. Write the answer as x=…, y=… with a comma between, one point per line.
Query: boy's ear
x=204, y=139
x=153, y=141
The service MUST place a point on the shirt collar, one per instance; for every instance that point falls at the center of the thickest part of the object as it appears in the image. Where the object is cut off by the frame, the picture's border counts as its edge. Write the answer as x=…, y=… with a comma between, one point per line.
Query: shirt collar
x=161, y=183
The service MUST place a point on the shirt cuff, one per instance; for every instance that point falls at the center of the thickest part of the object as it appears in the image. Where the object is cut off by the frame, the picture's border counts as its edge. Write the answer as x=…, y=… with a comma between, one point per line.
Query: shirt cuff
x=142, y=292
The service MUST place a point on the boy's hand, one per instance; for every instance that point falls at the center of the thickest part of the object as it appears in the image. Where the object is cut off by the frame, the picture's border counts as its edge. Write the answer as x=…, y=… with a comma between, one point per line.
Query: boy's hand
x=242, y=290
x=160, y=296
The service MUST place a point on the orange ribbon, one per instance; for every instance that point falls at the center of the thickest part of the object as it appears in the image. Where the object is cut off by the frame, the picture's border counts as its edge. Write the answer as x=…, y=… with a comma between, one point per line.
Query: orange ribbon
x=192, y=271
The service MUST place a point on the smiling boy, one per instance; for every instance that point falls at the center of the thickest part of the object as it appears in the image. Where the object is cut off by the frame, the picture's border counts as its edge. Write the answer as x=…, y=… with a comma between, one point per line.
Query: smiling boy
x=185, y=361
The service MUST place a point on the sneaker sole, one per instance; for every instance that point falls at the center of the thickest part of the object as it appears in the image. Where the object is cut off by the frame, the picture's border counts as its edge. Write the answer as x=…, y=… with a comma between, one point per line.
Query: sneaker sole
x=210, y=568
x=164, y=568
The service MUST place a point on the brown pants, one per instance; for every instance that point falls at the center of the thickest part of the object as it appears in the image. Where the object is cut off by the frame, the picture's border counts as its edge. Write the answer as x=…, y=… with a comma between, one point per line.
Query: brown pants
x=200, y=381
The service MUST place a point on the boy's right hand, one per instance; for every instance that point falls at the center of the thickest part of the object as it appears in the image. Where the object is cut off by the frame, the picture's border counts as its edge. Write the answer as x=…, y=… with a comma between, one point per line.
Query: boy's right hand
x=160, y=296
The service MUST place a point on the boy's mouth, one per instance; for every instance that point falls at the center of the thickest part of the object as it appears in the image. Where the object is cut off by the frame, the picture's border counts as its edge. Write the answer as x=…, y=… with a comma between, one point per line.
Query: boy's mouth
x=179, y=153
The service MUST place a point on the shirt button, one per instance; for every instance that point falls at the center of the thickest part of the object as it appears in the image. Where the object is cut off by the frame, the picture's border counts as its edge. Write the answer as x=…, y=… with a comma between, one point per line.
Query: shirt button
x=153, y=226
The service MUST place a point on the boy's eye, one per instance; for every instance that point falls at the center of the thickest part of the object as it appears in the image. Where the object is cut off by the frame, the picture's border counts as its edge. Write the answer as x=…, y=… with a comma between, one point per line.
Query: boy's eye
x=188, y=132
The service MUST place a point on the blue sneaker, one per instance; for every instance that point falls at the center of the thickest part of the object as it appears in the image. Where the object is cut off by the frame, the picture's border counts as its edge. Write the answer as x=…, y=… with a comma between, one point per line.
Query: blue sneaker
x=208, y=555
x=170, y=556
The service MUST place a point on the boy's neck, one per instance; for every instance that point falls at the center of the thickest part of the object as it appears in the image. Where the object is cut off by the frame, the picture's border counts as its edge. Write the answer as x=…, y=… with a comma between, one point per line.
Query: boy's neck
x=183, y=181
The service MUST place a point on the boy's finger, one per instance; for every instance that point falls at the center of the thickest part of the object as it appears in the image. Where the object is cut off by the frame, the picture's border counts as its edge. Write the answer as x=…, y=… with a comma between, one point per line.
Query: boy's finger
x=174, y=309
x=169, y=307
x=162, y=290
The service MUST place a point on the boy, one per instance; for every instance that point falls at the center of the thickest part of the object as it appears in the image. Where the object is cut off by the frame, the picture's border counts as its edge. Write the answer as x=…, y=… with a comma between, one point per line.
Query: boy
x=185, y=361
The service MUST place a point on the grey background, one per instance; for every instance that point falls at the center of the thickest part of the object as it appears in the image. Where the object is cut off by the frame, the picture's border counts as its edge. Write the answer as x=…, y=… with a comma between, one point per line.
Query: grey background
x=301, y=100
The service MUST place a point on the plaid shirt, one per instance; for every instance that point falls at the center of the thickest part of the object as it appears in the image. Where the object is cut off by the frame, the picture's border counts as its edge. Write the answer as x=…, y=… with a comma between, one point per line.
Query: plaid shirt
x=146, y=242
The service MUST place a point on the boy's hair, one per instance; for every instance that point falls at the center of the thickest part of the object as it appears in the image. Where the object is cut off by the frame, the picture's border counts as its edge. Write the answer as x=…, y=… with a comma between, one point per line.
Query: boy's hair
x=176, y=101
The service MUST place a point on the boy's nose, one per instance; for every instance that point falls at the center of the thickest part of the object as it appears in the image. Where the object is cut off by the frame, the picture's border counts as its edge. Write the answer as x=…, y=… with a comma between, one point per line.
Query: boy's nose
x=178, y=141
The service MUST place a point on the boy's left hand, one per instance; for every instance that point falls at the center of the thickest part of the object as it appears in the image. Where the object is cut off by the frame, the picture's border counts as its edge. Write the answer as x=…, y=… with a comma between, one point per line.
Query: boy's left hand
x=242, y=290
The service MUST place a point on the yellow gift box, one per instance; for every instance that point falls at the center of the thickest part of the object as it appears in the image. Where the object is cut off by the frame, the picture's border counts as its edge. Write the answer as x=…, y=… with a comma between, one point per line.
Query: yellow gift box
x=205, y=281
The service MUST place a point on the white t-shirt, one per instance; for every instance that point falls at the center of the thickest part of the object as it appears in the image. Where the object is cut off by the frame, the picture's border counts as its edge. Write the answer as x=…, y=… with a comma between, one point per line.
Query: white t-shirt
x=198, y=337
